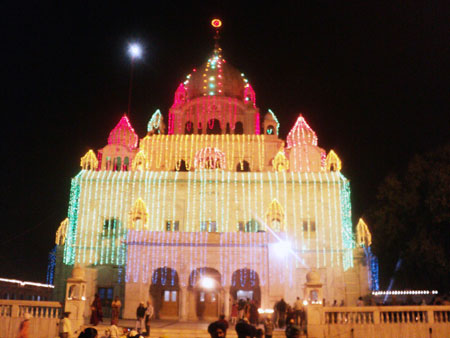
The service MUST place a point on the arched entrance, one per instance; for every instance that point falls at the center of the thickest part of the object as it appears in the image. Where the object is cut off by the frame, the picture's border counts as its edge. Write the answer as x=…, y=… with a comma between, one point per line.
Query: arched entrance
x=245, y=284
x=165, y=292
x=206, y=290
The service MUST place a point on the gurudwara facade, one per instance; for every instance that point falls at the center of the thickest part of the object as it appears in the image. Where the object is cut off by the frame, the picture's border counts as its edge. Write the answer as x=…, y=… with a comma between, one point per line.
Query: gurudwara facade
x=211, y=206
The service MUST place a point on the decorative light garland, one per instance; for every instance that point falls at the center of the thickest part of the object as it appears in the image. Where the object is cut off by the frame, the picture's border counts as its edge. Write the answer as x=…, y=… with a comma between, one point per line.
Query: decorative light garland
x=274, y=117
x=24, y=283
x=405, y=292
x=89, y=161
x=124, y=134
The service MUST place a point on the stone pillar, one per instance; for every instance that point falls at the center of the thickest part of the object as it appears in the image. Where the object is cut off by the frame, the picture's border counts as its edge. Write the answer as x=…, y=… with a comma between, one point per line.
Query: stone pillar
x=226, y=299
x=76, y=297
x=315, y=317
x=315, y=321
x=183, y=303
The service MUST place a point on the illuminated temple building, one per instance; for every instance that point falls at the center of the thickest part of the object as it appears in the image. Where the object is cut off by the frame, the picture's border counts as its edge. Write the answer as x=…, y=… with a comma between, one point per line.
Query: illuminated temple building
x=210, y=206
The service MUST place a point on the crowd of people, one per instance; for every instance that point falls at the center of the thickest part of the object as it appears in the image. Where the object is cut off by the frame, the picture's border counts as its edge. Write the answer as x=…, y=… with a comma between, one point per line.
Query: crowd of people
x=141, y=330
x=245, y=317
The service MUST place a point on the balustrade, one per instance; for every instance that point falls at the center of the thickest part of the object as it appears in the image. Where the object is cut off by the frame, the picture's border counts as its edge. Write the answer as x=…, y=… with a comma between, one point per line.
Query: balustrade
x=387, y=314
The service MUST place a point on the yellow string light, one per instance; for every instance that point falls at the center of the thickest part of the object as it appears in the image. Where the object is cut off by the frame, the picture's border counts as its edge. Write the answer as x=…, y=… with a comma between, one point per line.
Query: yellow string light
x=333, y=162
x=60, y=238
x=139, y=161
x=275, y=215
x=363, y=235
x=138, y=212
x=89, y=161
x=280, y=162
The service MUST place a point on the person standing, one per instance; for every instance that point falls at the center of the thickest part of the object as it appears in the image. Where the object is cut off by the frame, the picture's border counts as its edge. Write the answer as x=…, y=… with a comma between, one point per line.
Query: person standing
x=148, y=316
x=140, y=317
x=24, y=328
x=115, y=311
x=298, y=305
x=254, y=315
x=65, y=326
x=281, y=309
x=234, y=313
x=96, y=310
x=241, y=308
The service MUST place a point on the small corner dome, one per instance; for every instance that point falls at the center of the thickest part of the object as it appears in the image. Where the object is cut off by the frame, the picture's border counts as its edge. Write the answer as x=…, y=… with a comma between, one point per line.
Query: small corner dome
x=123, y=134
x=313, y=277
x=216, y=78
x=78, y=272
x=301, y=134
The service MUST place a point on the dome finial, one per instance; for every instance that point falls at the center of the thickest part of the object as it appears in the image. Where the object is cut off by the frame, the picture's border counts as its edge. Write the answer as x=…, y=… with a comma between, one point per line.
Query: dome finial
x=216, y=23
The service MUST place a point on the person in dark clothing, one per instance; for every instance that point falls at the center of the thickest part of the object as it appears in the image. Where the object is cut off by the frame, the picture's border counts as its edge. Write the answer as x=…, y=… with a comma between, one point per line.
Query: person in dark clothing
x=281, y=311
x=224, y=322
x=96, y=310
x=254, y=315
x=140, y=315
x=218, y=329
x=244, y=329
x=89, y=332
x=292, y=330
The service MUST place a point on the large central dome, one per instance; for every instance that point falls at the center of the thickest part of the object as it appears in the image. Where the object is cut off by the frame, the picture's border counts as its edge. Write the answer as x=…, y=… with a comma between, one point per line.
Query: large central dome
x=216, y=78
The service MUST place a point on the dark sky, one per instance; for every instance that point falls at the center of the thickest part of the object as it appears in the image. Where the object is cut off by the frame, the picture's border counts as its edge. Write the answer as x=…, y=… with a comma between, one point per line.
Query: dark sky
x=371, y=78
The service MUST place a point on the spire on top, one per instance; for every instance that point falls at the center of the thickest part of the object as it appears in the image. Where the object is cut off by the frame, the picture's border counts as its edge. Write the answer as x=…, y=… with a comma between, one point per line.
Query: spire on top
x=216, y=23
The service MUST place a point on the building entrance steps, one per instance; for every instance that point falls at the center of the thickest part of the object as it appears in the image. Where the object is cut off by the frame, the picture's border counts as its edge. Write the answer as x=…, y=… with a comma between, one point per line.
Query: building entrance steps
x=175, y=329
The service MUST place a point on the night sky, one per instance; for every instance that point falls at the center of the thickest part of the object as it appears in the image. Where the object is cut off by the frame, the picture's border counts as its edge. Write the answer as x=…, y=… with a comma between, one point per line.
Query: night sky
x=370, y=78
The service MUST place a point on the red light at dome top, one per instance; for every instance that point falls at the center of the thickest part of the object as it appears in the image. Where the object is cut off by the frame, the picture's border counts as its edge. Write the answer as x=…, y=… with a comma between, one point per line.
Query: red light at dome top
x=216, y=23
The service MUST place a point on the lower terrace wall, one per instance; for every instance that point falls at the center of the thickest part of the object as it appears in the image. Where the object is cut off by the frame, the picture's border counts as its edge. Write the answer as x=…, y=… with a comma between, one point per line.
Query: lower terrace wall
x=44, y=321
x=379, y=321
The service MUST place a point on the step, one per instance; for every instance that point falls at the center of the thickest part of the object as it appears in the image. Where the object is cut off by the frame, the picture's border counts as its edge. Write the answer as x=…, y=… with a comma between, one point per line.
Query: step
x=180, y=332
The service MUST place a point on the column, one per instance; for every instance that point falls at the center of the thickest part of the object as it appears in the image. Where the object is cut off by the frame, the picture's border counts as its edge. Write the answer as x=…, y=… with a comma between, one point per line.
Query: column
x=226, y=299
x=183, y=303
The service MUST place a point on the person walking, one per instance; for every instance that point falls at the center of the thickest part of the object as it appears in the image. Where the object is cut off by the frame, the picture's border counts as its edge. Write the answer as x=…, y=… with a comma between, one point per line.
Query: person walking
x=24, y=328
x=96, y=310
x=148, y=315
x=65, y=326
x=115, y=311
x=140, y=317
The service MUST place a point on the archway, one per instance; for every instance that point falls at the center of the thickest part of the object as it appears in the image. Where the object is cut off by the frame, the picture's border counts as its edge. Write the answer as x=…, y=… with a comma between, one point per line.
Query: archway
x=205, y=284
x=189, y=128
x=181, y=166
x=165, y=291
x=243, y=166
x=239, y=128
x=245, y=284
x=213, y=127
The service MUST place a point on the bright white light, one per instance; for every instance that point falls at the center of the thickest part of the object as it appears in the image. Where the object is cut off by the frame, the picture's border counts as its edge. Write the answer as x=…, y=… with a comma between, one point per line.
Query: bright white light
x=135, y=50
x=207, y=283
x=282, y=248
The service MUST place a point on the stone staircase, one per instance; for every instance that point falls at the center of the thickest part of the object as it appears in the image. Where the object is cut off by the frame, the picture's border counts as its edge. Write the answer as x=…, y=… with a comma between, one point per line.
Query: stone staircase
x=177, y=331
